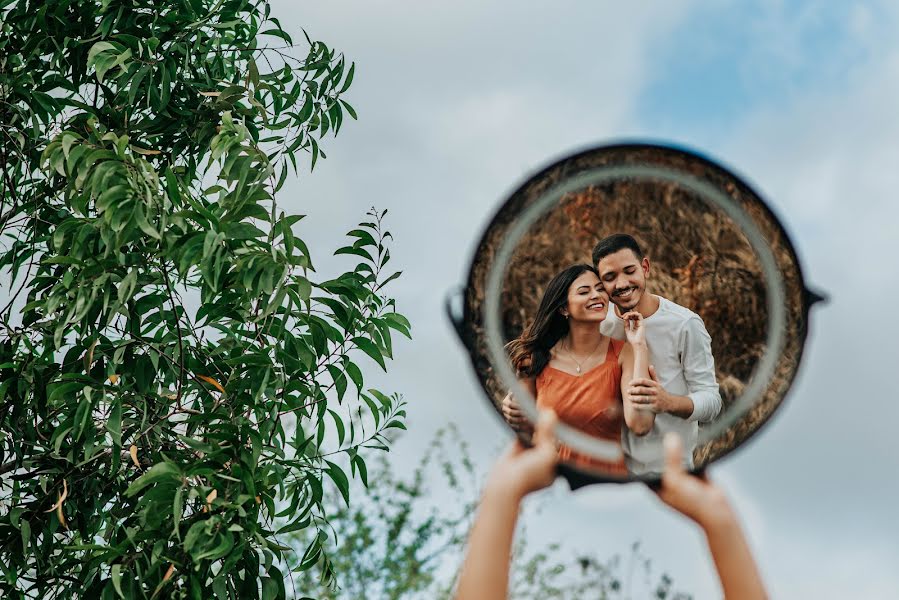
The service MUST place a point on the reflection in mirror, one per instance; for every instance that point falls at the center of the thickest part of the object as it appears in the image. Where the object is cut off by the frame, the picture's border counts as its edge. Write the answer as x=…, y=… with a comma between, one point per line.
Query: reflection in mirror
x=692, y=290
x=691, y=282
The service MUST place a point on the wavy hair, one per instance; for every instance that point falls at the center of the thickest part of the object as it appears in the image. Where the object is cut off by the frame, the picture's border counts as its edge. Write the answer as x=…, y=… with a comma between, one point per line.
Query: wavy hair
x=529, y=353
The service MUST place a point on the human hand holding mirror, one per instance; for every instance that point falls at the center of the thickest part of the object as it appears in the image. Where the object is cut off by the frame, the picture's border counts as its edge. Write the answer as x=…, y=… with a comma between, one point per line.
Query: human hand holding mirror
x=636, y=290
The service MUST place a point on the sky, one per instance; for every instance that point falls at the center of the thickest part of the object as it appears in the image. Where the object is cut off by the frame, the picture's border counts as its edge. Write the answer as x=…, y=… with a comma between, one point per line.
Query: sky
x=459, y=102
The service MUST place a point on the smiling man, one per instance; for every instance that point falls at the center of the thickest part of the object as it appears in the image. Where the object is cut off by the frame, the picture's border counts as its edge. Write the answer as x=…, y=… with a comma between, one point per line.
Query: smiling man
x=683, y=391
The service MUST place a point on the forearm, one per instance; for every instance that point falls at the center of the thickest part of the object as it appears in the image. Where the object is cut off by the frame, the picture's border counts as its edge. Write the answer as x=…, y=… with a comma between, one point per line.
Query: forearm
x=679, y=406
x=638, y=420
x=485, y=571
x=740, y=577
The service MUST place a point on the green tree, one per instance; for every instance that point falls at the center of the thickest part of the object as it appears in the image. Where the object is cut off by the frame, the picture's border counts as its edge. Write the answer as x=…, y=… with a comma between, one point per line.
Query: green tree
x=405, y=540
x=177, y=385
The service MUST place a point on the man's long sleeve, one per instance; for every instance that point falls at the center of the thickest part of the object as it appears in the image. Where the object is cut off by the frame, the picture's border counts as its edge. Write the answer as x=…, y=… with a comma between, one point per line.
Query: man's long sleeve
x=699, y=371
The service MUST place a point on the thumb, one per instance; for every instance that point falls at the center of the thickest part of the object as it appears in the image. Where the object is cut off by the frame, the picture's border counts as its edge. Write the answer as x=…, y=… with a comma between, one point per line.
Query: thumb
x=674, y=450
x=652, y=374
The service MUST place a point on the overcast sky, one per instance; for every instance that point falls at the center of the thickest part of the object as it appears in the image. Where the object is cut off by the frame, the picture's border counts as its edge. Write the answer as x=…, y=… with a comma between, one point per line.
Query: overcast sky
x=459, y=101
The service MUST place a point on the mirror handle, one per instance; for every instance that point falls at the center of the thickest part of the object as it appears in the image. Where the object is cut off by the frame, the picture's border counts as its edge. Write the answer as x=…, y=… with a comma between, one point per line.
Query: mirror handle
x=577, y=479
x=812, y=297
x=452, y=306
x=655, y=484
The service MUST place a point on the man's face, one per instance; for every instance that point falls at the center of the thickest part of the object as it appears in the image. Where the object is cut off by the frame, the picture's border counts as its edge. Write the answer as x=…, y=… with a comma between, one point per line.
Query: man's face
x=623, y=276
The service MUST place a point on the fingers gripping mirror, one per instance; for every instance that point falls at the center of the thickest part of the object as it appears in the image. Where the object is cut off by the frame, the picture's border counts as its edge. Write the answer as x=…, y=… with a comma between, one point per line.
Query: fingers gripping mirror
x=635, y=289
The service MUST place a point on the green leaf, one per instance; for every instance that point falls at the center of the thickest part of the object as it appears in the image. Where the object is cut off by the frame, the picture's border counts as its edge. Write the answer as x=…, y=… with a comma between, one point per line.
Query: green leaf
x=25, y=530
x=355, y=374
x=64, y=389
x=389, y=279
x=294, y=526
x=95, y=50
x=359, y=463
x=117, y=579
x=339, y=379
x=356, y=251
x=126, y=286
x=365, y=238
x=340, y=480
x=367, y=346
x=178, y=510
x=159, y=472
x=82, y=415
x=279, y=33
x=338, y=424
x=349, y=109
x=348, y=81
x=114, y=423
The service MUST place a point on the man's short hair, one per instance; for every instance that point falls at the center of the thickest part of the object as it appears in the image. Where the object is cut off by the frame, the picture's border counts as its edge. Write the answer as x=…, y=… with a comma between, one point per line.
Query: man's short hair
x=614, y=243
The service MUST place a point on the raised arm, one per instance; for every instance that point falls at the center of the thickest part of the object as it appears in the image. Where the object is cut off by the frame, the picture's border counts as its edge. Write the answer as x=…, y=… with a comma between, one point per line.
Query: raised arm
x=635, y=365
x=702, y=501
x=485, y=571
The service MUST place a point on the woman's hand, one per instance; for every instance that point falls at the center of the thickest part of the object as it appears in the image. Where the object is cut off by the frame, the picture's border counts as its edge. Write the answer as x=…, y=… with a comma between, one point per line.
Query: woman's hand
x=634, y=331
x=693, y=496
x=702, y=501
x=521, y=470
x=514, y=416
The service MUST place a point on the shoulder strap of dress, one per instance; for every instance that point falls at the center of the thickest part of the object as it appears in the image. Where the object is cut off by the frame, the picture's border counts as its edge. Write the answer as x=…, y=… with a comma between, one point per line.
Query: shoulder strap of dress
x=615, y=347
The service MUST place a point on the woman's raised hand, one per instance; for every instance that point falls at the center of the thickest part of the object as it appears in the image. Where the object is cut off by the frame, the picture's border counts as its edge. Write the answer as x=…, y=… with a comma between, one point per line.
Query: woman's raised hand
x=633, y=328
x=693, y=496
x=704, y=502
x=523, y=470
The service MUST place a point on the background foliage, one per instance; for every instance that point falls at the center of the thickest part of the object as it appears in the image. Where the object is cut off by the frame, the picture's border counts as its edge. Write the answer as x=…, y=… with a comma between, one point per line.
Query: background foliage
x=177, y=387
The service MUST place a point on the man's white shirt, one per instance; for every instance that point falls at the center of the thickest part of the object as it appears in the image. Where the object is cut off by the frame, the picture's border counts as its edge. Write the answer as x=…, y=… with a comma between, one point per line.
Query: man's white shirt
x=680, y=349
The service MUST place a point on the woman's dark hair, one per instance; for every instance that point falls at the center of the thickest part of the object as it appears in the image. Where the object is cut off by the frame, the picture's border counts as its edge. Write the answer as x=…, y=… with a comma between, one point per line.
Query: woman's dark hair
x=529, y=353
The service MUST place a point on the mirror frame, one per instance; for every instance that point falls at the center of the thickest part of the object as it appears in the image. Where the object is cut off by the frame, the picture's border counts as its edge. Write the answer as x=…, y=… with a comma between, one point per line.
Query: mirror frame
x=469, y=323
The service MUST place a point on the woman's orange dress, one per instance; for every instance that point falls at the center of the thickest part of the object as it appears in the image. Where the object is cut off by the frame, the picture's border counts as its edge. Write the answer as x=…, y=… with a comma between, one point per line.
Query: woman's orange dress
x=590, y=402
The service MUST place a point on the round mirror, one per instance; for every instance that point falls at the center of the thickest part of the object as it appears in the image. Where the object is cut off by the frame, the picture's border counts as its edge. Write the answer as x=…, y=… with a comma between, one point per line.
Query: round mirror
x=636, y=290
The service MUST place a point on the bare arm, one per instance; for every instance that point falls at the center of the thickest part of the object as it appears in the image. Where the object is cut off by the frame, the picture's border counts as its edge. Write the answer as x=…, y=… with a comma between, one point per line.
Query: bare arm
x=635, y=363
x=485, y=571
x=702, y=501
x=703, y=402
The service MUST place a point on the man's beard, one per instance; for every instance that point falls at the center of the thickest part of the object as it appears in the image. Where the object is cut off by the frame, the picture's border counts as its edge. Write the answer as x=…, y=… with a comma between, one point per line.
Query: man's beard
x=629, y=303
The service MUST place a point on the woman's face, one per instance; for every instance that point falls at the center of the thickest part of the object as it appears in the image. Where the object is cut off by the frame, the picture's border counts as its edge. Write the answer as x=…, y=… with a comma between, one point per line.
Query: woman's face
x=587, y=300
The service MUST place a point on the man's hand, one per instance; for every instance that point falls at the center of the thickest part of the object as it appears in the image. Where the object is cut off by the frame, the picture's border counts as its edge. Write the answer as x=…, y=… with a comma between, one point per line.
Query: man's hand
x=514, y=416
x=649, y=394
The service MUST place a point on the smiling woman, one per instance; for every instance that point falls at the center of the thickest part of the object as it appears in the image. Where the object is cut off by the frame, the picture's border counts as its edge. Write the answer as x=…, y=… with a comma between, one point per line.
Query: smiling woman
x=564, y=361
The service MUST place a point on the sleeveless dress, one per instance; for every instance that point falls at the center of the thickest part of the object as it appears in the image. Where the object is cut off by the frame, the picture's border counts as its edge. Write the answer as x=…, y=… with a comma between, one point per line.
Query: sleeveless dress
x=590, y=402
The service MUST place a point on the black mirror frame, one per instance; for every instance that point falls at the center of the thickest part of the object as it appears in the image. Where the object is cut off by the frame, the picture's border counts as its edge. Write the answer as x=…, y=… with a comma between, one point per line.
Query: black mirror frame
x=465, y=321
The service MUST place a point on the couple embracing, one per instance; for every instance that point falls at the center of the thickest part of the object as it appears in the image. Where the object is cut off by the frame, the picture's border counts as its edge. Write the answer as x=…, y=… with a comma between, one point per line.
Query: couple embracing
x=628, y=372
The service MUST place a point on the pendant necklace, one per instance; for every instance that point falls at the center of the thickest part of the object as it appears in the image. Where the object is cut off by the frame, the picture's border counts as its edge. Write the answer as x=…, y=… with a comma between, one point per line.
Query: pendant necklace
x=586, y=358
